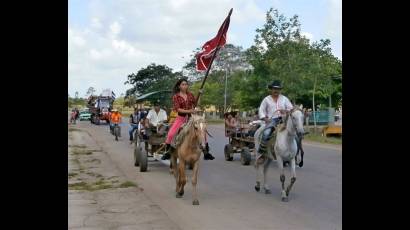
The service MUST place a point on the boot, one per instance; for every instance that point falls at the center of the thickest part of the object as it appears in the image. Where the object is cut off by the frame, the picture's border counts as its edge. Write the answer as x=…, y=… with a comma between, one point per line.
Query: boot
x=207, y=155
x=167, y=154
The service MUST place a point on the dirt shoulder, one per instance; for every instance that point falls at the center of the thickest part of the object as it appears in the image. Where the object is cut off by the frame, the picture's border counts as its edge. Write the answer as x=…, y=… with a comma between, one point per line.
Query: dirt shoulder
x=100, y=196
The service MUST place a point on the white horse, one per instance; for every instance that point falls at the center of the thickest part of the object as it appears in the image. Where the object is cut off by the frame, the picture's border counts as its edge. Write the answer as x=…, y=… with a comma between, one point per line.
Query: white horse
x=285, y=150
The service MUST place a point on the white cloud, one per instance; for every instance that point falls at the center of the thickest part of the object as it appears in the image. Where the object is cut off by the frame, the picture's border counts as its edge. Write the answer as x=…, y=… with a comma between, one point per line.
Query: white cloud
x=176, y=4
x=115, y=28
x=334, y=24
x=76, y=39
x=122, y=36
x=307, y=35
x=95, y=23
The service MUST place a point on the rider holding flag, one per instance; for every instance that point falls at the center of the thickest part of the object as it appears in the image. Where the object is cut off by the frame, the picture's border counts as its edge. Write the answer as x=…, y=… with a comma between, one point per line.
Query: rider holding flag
x=184, y=105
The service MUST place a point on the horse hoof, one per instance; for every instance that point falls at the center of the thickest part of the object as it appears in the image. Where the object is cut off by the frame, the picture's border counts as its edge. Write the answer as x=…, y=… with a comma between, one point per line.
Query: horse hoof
x=285, y=199
x=301, y=164
x=178, y=195
x=257, y=188
x=267, y=191
x=195, y=202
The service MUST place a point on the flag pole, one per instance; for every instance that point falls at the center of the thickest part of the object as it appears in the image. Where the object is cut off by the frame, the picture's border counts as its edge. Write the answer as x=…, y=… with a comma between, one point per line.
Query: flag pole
x=212, y=60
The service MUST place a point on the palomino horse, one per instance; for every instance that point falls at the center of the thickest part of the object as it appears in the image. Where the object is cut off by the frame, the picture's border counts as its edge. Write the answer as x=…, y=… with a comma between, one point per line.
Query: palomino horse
x=188, y=151
x=287, y=145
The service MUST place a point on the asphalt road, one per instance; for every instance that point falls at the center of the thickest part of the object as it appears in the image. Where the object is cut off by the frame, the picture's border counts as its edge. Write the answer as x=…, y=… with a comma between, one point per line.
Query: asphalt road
x=226, y=189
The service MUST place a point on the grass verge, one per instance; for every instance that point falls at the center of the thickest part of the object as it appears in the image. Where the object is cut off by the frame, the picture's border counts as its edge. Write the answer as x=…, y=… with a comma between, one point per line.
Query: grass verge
x=322, y=139
x=127, y=184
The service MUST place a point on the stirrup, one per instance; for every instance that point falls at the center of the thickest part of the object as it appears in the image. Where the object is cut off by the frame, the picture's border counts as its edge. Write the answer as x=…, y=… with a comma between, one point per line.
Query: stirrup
x=262, y=150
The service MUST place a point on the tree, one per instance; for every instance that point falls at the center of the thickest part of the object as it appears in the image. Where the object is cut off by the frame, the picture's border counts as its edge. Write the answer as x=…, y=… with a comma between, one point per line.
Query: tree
x=229, y=60
x=119, y=102
x=90, y=91
x=248, y=90
x=280, y=52
x=130, y=100
x=190, y=67
x=76, y=102
x=152, y=78
x=330, y=68
x=230, y=56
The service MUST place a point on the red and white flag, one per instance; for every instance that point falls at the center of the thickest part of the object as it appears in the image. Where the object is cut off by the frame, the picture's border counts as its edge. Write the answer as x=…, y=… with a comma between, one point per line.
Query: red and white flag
x=204, y=58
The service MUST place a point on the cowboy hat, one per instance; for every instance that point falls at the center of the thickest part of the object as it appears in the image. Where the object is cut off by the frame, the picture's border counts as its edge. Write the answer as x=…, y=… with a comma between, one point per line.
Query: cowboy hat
x=276, y=84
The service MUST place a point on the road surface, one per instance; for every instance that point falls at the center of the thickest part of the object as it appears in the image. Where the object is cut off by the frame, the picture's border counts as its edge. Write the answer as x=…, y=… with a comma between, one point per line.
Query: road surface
x=226, y=189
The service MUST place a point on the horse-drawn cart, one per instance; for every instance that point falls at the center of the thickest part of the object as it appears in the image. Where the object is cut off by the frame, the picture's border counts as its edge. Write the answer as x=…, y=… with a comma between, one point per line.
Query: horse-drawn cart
x=148, y=140
x=146, y=147
x=242, y=145
x=241, y=141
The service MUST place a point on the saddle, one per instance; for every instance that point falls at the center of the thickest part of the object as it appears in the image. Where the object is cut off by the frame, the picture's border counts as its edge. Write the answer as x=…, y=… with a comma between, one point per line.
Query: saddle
x=177, y=140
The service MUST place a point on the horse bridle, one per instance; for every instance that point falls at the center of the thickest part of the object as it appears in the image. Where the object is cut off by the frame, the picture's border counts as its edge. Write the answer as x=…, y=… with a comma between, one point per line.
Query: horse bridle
x=293, y=124
x=201, y=120
x=297, y=137
x=198, y=122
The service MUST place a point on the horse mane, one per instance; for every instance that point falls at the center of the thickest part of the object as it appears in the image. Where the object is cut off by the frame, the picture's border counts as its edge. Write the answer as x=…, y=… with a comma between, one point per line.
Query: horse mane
x=184, y=132
x=282, y=126
x=186, y=128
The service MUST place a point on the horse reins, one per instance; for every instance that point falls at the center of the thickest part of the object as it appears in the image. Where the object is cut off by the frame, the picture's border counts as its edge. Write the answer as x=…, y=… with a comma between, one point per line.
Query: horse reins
x=298, y=139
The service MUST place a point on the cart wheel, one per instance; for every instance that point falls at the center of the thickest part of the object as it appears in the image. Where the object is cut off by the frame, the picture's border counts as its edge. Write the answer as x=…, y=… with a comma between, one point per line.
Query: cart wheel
x=228, y=152
x=97, y=121
x=137, y=152
x=143, y=160
x=245, y=156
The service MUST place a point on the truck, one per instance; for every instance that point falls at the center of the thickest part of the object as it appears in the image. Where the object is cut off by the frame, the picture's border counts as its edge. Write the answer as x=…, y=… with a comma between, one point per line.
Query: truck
x=100, y=106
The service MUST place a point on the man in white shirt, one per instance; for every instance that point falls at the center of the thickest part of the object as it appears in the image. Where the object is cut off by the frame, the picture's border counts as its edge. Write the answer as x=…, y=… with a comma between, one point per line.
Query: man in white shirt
x=155, y=119
x=271, y=110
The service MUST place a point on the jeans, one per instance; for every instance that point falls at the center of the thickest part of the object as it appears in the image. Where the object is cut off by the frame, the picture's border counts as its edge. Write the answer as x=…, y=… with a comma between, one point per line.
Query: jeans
x=131, y=130
x=270, y=127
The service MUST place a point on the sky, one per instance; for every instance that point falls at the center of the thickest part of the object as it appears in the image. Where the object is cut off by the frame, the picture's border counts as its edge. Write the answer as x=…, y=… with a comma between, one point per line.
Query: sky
x=107, y=40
